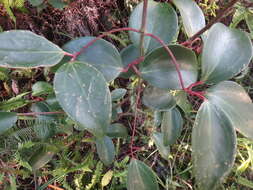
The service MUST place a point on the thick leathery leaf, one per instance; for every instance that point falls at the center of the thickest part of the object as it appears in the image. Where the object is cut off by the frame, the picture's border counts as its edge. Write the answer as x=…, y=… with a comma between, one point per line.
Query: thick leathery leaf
x=24, y=49
x=102, y=55
x=172, y=125
x=182, y=101
x=161, y=21
x=235, y=103
x=159, y=70
x=226, y=52
x=118, y=94
x=116, y=130
x=128, y=55
x=192, y=16
x=213, y=146
x=7, y=120
x=163, y=150
x=105, y=150
x=140, y=177
x=42, y=88
x=83, y=93
x=158, y=99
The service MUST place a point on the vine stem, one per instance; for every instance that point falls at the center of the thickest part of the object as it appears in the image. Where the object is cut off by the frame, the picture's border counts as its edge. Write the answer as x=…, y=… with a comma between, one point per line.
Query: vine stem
x=219, y=16
x=39, y=113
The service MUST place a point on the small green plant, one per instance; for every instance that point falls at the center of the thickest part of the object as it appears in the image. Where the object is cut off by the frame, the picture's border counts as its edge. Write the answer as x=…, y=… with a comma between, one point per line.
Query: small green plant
x=9, y=4
x=168, y=73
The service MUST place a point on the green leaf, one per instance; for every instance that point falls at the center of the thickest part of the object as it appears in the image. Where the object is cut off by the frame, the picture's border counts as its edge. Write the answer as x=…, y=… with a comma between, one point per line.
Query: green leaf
x=118, y=94
x=42, y=88
x=161, y=21
x=35, y=3
x=53, y=103
x=4, y=74
x=157, y=118
x=24, y=49
x=163, y=150
x=14, y=103
x=41, y=157
x=158, y=99
x=102, y=55
x=83, y=93
x=107, y=178
x=105, y=150
x=213, y=146
x=226, y=52
x=7, y=120
x=249, y=21
x=116, y=130
x=58, y=4
x=236, y=105
x=192, y=16
x=140, y=177
x=172, y=125
x=182, y=101
x=159, y=70
x=128, y=55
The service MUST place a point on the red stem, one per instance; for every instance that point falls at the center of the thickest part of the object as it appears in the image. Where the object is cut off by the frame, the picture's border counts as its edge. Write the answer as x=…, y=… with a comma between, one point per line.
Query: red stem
x=135, y=121
x=174, y=61
x=39, y=113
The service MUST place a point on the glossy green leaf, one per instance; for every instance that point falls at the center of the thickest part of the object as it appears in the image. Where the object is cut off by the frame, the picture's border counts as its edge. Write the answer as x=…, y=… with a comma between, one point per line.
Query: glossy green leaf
x=7, y=120
x=59, y=4
x=42, y=88
x=24, y=49
x=159, y=70
x=158, y=99
x=226, y=52
x=83, y=93
x=234, y=102
x=105, y=150
x=182, y=101
x=102, y=55
x=192, y=16
x=140, y=177
x=172, y=125
x=118, y=94
x=128, y=55
x=116, y=130
x=213, y=146
x=163, y=150
x=161, y=21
